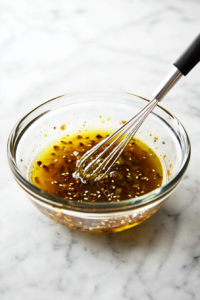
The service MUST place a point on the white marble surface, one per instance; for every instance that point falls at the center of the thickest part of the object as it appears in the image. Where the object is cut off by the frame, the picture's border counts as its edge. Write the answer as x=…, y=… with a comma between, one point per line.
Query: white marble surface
x=53, y=47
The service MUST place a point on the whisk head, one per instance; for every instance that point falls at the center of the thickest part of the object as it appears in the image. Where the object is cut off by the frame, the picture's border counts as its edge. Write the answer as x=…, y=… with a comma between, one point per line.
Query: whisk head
x=94, y=164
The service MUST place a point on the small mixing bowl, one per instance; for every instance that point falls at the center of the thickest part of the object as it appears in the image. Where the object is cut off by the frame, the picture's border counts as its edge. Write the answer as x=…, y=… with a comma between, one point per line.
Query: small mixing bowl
x=99, y=110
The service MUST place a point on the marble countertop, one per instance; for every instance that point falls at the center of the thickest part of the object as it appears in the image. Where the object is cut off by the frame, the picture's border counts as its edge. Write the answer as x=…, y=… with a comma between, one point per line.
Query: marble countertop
x=49, y=48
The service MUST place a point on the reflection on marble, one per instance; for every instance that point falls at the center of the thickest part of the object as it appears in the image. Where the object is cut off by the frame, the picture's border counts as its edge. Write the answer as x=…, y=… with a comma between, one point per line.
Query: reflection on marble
x=53, y=47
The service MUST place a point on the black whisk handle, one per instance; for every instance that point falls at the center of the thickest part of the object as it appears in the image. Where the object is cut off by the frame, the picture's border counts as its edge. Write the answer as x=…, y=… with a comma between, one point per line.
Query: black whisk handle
x=190, y=57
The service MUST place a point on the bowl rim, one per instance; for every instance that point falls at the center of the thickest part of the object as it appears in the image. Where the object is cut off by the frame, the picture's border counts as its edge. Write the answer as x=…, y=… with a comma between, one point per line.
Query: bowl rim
x=40, y=195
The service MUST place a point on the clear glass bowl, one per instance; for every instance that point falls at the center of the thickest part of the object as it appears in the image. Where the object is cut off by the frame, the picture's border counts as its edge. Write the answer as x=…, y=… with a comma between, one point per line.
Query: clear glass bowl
x=36, y=129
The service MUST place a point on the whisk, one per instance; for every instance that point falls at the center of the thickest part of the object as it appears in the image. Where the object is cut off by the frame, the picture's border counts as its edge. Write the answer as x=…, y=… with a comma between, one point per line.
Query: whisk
x=97, y=168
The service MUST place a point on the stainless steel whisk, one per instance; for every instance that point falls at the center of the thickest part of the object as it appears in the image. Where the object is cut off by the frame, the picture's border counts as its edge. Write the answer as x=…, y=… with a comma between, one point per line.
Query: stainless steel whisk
x=182, y=66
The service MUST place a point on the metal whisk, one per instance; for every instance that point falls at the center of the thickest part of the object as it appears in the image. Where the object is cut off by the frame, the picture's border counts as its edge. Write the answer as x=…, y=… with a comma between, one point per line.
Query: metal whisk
x=98, y=168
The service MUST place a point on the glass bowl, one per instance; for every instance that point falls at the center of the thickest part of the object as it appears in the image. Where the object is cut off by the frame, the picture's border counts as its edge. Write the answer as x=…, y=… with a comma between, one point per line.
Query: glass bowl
x=36, y=130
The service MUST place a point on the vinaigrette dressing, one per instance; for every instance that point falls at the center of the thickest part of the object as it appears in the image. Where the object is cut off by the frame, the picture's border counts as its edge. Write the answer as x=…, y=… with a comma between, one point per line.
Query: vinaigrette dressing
x=137, y=172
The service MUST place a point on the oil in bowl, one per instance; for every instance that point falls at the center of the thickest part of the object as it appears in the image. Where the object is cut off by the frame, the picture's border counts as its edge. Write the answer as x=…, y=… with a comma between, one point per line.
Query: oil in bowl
x=137, y=171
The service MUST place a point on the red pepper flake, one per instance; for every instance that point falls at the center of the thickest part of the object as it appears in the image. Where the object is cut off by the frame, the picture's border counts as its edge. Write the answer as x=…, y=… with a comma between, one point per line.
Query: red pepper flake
x=39, y=163
x=63, y=142
x=63, y=127
x=37, y=179
x=21, y=160
x=81, y=144
x=70, y=142
x=128, y=187
x=53, y=153
x=54, y=128
x=56, y=147
x=45, y=168
x=114, y=175
x=87, y=138
x=98, y=136
x=79, y=136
